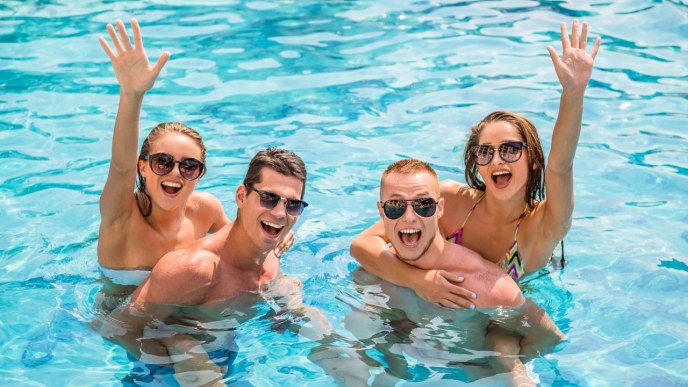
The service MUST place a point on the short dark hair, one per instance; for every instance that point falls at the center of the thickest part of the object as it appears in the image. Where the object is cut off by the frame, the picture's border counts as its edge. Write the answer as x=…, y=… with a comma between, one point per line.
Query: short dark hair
x=279, y=160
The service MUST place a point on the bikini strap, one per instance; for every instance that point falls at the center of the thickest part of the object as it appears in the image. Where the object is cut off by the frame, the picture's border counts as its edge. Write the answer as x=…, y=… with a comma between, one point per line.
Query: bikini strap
x=520, y=219
x=471, y=210
x=456, y=235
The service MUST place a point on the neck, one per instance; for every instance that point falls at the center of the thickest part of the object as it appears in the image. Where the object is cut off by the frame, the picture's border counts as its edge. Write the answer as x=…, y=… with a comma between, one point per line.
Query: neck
x=162, y=220
x=240, y=249
x=432, y=257
x=511, y=209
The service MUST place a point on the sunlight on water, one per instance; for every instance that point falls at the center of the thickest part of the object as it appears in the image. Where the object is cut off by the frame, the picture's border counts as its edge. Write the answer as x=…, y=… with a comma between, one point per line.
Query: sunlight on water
x=350, y=86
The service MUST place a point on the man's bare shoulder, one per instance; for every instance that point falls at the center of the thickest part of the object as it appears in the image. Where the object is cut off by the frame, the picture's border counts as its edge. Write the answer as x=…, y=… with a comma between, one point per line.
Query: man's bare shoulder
x=182, y=277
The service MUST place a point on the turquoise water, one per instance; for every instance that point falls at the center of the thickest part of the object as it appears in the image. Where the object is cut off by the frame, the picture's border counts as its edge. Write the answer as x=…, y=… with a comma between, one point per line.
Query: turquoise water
x=350, y=86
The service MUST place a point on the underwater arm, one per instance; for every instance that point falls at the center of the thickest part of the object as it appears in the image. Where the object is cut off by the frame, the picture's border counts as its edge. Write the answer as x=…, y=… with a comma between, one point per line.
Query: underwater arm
x=334, y=354
x=176, y=280
x=192, y=363
x=573, y=70
x=540, y=333
x=437, y=286
x=126, y=327
x=507, y=357
x=135, y=76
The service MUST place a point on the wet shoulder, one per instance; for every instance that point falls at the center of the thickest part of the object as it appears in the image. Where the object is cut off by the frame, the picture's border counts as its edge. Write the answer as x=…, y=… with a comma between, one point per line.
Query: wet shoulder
x=204, y=203
x=458, y=197
x=186, y=269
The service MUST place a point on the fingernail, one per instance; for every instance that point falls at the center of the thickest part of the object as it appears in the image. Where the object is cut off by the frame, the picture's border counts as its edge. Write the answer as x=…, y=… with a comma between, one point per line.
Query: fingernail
x=460, y=278
x=474, y=296
x=472, y=306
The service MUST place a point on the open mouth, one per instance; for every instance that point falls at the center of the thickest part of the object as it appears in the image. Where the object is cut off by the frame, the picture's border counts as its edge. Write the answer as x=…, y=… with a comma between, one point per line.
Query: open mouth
x=409, y=237
x=271, y=229
x=170, y=187
x=501, y=178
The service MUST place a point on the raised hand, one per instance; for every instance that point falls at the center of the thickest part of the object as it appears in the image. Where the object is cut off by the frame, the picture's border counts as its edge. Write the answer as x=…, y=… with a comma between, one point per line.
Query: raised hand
x=575, y=65
x=132, y=68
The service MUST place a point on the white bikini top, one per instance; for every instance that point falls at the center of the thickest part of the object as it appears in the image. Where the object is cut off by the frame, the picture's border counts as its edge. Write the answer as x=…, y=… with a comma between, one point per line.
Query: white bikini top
x=126, y=277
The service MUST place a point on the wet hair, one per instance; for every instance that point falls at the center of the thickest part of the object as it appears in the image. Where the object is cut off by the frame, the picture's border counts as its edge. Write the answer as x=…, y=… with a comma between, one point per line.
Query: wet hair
x=535, y=186
x=282, y=161
x=143, y=199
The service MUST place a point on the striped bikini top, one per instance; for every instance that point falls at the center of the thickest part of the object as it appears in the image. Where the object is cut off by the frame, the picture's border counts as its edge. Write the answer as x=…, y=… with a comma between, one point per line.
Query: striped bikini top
x=511, y=262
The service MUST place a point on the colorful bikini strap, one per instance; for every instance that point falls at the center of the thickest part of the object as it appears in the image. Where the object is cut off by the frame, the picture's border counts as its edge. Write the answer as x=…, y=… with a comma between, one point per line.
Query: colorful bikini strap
x=512, y=263
x=456, y=235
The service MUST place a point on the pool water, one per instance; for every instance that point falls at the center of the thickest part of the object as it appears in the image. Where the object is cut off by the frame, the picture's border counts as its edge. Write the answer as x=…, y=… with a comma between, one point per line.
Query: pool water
x=350, y=86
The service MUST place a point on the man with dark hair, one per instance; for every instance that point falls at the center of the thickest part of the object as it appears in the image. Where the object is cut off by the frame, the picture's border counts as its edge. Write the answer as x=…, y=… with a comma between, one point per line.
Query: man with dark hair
x=214, y=281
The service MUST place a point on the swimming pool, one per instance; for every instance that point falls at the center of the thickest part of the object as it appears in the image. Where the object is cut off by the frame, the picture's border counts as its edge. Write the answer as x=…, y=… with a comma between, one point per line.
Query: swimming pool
x=350, y=86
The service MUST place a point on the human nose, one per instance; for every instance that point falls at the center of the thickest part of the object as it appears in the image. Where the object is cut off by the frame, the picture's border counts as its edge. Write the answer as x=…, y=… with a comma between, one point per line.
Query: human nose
x=280, y=209
x=176, y=167
x=497, y=157
x=409, y=213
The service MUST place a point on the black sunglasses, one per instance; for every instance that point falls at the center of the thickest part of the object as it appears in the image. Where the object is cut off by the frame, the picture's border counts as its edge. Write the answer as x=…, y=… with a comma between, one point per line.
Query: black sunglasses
x=509, y=151
x=424, y=207
x=161, y=164
x=269, y=200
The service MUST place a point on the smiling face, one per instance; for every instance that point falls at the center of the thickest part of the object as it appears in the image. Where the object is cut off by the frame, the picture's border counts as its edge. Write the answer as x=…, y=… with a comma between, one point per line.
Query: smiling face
x=170, y=191
x=267, y=227
x=411, y=234
x=501, y=178
x=496, y=128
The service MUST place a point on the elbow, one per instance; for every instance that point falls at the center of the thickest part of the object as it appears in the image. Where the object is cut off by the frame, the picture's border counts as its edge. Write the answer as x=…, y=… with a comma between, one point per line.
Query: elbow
x=563, y=168
x=356, y=249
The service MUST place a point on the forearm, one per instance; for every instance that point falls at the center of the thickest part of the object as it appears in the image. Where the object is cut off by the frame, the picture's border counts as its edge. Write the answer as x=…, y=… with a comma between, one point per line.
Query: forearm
x=559, y=170
x=541, y=334
x=192, y=363
x=130, y=338
x=126, y=326
x=126, y=133
x=507, y=357
x=377, y=259
x=566, y=132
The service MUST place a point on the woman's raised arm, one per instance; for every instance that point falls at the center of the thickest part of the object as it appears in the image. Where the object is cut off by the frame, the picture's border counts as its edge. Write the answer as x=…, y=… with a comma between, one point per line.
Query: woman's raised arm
x=135, y=76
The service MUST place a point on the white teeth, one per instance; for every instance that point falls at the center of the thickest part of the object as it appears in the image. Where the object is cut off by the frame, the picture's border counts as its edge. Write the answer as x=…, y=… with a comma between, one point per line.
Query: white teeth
x=501, y=173
x=172, y=184
x=273, y=225
x=409, y=231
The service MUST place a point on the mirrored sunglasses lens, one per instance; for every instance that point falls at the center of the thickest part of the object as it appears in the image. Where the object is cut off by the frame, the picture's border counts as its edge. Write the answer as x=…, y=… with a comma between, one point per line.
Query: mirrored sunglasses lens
x=510, y=152
x=425, y=207
x=484, y=154
x=394, y=209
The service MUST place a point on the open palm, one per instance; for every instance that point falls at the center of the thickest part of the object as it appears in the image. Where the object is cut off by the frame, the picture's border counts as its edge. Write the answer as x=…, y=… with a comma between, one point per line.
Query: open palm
x=132, y=68
x=575, y=65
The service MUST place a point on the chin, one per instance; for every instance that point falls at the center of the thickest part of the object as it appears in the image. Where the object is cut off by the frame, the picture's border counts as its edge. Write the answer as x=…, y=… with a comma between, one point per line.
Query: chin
x=408, y=258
